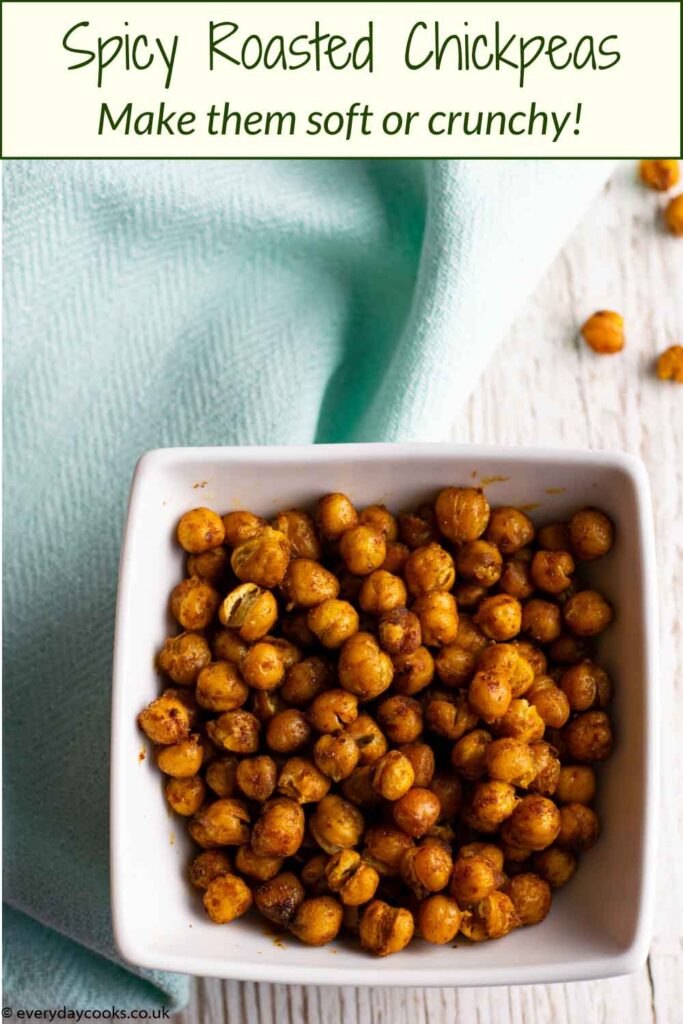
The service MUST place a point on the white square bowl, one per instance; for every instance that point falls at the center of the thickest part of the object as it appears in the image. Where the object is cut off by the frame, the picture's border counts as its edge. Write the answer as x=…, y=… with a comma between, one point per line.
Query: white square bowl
x=599, y=924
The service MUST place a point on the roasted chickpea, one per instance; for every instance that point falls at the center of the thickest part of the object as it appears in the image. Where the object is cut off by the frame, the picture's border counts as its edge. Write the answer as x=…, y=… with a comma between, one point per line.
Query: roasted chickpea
x=364, y=668
x=490, y=851
x=294, y=626
x=300, y=780
x=381, y=519
x=511, y=760
x=531, y=897
x=450, y=716
x=468, y=756
x=194, y=603
x=394, y=775
x=586, y=686
x=489, y=695
x=381, y=592
x=258, y=867
x=470, y=636
x=395, y=558
x=250, y=611
x=183, y=657
x=288, y=731
x=225, y=822
x=491, y=918
x=385, y=847
x=576, y=784
x=399, y=631
x=307, y=583
x=522, y=677
x=369, y=738
x=241, y=526
x=569, y=649
x=604, y=332
x=229, y=646
x=438, y=919
x=279, y=831
x=385, y=929
x=413, y=672
x=426, y=868
x=221, y=775
x=448, y=788
x=299, y=529
x=354, y=880
x=516, y=579
x=336, y=824
x=551, y=571
x=227, y=898
x=491, y=803
x=499, y=617
x=555, y=865
x=236, y=731
x=220, y=688
x=183, y=759
x=185, y=796
x=169, y=718
x=591, y=534
x=333, y=622
x=417, y=811
x=462, y=513
x=262, y=666
x=401, y=719
x=313, y=875
x=579, y=827
x=509, y=529
x=660, y=175
x=670, y=362
x=209, y=865
x=256, y=777
x=521, y=721
x=589, y=737
x=480, y=562
x=417, y=528
x=200, y=530
x=429, y=568
x=542, y=620
x=421, y=756
x=336, y=755
x=266, y=704
x=533, y=655
x=363, y=549
x=455, y=666
x=438, y=615
x=473, y=879
x=278, y=898
x=468, y=595
x=211, y=566
x=305, y=680
x=358, y=787
x=263, y=559
x=534, y=823
x=550, y=701
x=547, y=769
x=335, y=515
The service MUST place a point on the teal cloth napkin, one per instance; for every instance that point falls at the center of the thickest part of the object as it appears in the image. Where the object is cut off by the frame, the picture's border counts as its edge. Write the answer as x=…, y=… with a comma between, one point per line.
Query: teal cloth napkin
x=158, y=303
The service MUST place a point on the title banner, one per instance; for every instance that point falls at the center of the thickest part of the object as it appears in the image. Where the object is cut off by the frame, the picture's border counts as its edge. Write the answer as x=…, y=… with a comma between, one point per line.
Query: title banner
x=310, y=79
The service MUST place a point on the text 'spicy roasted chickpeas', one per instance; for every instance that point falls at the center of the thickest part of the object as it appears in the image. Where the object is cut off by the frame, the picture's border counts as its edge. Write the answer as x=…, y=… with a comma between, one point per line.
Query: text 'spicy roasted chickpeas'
x=395, y=722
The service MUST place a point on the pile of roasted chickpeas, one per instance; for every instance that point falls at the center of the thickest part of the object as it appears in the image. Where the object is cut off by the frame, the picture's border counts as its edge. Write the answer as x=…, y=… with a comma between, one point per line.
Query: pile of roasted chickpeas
x=385, y=724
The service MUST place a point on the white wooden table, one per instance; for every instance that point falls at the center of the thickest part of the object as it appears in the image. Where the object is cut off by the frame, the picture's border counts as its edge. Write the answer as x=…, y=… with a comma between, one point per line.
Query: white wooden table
x=546, y=387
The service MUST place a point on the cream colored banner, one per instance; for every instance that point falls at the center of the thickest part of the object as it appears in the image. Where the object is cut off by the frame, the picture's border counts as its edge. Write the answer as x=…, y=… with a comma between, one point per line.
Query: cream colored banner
x=341, y=79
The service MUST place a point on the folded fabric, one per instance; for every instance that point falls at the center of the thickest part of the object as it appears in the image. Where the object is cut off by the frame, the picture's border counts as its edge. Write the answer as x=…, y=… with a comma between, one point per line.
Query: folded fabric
x=160, y=303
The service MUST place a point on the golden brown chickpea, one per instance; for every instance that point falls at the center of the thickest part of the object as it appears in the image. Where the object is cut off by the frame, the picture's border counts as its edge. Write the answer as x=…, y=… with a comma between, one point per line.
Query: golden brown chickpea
x=673, y=218
x=474, y=877
x=335, y=515
x=604, y=332
x=194, y=603
x=300, y=780
x=279, y=898
x=333, y=622
x=363, y=549
x=547, y=769
x=336, y=824
x=364, y=668
x=491, y=803
x=522, y=677
x=294, y=627
x=521, y=721
x=369, y=738
x=534, y=823
x=169, y=718
x=542, y=620
x=438, y=919
x=236, y=731
x=263, y=560
x=299, y=529
x=262, y=667
x=225, y=822
x=555, y=865
x=313, y=875
x=200, y=530
x=220, y=688
x=569, y=649
x=279, y=831
x=438, y=615
x=533, y=655
x=417, y=528
x=185, y=796
x=209, y=865
x=401, y=719
x=381, y=519
x=307, y=680
x=384, y=929
x=395, y=558
x=499, y=617
x=468, y=756
x=455, y=666
x=241, y=526
x=491, y=918
x=489, y=695
x=480, y=562
x=429, y=568
x=257, y=867
x=181, y=760
x=501, y=659
x=221, y=775
x=183, y=657
x=290, y=654
x=550, y=701
x=591, y=534
x=586, y=686
x=509, y=529
x=317, y=921
x=462, y=513
x=336, y=755
x=393, y=775
x=399, y=631
x=381, y=592
x=426, y=868
x=516, y=579
x=413, y=672
x=490, y=851
x=470, y=636
x=468, y=595
x=579, y=827
x=512, y=761
x=576, y=784
x=417, y=811
x=385, y=848
x=256, y=777
x=211, y=566
x=450, y=716
x=266, y=704
x=448, y=788
x=531, y=896
x=227, y=897
x=551, y=571
x=354, y=880
x=229, y=646
x=421, y=756
x=333, y=710
x=589, y=737
x=554, y=537
x=660, y=175
x=288, y=731
x=358, y=787
x=250, y=611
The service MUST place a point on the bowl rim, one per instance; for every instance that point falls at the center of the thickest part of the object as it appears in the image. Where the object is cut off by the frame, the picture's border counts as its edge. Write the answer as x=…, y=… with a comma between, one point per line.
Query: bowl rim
x=623, y=960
